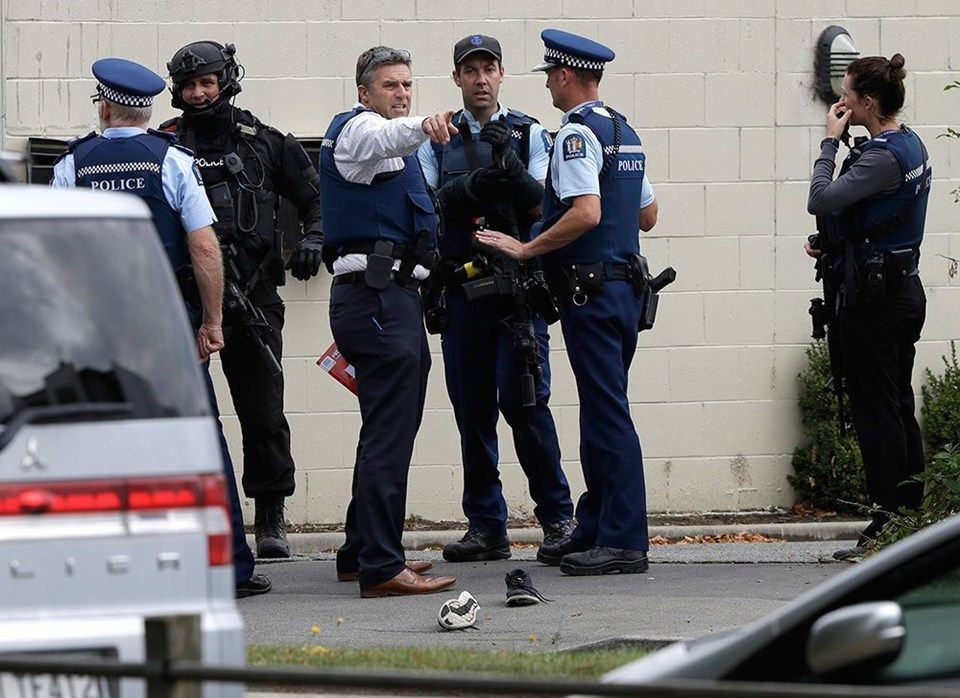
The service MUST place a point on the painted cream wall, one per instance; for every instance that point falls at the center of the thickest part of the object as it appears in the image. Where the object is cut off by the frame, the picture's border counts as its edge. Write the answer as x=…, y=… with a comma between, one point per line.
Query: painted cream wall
x=721, y=93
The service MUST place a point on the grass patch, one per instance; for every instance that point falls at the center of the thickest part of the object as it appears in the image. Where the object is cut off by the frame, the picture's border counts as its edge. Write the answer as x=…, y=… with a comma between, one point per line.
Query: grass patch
x=585, y=664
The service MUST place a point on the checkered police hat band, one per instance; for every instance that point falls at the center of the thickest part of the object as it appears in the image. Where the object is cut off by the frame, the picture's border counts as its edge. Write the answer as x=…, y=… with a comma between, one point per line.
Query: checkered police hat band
x=552, y=55
x=124, y=98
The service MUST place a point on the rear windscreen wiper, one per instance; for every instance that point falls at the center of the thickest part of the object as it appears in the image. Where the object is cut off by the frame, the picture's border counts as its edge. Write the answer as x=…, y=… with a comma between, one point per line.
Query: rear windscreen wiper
x=71, y=412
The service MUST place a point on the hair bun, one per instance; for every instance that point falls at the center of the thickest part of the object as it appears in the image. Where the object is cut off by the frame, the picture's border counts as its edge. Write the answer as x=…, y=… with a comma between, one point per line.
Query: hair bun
x=897, y=72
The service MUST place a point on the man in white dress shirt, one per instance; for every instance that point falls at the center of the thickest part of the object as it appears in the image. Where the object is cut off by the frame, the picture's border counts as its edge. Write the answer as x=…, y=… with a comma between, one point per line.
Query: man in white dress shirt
x=380, y=242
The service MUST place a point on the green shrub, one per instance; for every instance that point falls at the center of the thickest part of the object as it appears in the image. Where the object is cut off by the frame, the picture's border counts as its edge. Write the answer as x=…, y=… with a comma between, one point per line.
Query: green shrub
x=828, y=472
x=941, y=499
x=940, y=413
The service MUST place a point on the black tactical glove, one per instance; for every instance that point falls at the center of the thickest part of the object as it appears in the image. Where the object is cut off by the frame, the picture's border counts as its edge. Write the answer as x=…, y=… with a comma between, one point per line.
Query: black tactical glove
x=457, y=194
x=512, y=167
x=497, y=134
x=488, y=183
x=444, y=272
x=306, y=258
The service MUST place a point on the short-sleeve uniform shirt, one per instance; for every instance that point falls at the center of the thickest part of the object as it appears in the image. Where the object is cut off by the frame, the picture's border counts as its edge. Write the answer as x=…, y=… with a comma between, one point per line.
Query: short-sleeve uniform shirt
x=182, y=185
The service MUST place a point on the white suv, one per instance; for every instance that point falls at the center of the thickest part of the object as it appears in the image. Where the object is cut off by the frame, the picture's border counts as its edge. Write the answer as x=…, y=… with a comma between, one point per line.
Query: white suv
x=113, y=510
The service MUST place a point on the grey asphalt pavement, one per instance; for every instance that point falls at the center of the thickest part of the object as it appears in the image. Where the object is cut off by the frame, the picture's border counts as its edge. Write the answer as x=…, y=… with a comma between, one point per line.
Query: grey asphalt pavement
x=690, y=590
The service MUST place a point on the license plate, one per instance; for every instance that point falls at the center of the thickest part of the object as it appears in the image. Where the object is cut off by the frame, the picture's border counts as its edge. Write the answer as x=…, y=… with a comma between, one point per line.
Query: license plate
x=52, y=686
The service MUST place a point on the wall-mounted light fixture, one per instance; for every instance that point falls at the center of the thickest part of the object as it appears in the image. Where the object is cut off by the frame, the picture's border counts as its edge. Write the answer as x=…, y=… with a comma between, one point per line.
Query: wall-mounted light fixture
x=835, y=51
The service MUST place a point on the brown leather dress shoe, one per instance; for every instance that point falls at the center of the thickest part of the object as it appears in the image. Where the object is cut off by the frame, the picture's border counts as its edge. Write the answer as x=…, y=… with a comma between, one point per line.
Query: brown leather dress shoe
x=418, y=566
x=408, y=582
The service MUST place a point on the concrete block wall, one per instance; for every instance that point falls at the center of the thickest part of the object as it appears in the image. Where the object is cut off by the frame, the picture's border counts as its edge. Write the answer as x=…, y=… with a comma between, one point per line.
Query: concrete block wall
x=721, y=92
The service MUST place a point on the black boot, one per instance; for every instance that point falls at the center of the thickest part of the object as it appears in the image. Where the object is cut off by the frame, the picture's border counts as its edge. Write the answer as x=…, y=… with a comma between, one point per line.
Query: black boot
x=604, y=560
x=476, y=546
x=257, y=584
x=557, y=542
x=268, y=526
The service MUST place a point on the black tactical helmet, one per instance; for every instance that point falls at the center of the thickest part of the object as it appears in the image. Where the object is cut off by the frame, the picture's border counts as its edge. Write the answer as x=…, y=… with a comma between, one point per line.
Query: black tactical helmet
x=201, y=58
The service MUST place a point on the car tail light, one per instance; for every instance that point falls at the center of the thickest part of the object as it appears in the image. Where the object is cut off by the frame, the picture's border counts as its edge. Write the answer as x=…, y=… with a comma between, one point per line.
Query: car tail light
x=136, y=495
x=219, y=534
x=62, y=498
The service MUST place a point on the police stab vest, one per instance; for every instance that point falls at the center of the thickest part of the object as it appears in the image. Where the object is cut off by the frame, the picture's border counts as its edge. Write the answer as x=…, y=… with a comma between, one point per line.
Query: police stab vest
x=457, y=158
x=395, y=206
x=892, y=221
x=615, y=238
x=133, y=165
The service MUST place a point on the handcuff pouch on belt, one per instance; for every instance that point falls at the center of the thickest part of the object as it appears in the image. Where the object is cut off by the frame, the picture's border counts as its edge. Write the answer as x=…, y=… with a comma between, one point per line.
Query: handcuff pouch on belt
x=884, y=272
x=379, y=265
x=381, y=255
x=583, y=281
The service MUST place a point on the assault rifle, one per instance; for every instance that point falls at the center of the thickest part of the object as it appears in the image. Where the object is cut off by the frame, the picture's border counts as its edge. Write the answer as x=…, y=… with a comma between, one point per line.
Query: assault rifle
x=826, y=325
x=239, y=310
x=530, y=297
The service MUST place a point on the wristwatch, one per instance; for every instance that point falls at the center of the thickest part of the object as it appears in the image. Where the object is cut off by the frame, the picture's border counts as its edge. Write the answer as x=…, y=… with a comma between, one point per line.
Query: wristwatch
x=834, y=141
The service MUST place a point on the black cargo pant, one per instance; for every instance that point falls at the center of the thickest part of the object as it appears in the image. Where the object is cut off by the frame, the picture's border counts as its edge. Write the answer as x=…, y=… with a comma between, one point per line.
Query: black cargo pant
x=258, y=400
x=878, y=346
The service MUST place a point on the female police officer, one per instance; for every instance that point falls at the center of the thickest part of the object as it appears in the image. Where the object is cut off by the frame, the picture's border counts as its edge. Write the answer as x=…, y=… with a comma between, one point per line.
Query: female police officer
x=871, y=220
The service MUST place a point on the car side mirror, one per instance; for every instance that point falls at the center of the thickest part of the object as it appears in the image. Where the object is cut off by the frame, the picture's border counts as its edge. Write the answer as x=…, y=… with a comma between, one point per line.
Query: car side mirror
x=851, y=637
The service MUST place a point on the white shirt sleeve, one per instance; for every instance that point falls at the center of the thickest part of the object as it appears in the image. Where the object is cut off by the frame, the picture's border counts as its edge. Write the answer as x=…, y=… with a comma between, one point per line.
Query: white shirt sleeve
x=577, y=161
x=64, y=173
x=539, y=152
x=183, y=189
x=646, y=192
x=370, y=144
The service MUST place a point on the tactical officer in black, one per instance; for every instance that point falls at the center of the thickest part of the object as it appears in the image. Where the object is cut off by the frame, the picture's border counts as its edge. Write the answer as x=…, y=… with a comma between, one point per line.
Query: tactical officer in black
x=247, y=166
x=871, y=221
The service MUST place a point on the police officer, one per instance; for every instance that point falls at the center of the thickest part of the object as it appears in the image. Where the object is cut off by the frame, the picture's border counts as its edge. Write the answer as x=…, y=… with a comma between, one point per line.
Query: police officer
x=589, y=244
x=151, y=165
x=381, y=227
x=481, y=362
x=247, y=166
x=871, y=220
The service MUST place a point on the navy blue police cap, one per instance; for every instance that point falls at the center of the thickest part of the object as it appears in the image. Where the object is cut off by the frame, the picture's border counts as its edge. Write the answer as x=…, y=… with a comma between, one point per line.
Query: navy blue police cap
x=126, y=82
x=564, y=48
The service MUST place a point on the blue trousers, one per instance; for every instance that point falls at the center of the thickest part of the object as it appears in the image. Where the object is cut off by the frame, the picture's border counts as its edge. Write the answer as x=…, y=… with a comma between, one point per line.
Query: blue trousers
x=482, y=370
x=381, y=333
x=601, y=338
x=242, y=555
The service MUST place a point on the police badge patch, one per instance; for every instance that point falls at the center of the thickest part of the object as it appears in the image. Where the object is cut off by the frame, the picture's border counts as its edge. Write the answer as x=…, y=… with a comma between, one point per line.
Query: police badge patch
x=574, y=147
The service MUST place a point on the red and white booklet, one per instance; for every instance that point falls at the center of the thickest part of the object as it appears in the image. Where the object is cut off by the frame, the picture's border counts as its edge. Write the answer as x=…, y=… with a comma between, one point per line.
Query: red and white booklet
x=333, y=363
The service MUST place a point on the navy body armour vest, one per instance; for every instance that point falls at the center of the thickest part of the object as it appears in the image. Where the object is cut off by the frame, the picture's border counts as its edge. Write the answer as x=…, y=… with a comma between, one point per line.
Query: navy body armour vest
x=892, y=221
x=395, y=206
x=615, y=238
x=133, y=165
x=457, y=158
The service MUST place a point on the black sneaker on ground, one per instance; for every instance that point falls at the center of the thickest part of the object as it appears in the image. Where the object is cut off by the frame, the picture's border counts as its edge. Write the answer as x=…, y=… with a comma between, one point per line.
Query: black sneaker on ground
x=268, y=527
x=557, y=542
x=603, y=560
x=476, y=546
x=257, y=584
x=864, y=541
x=848, y=554
x=869, y=534
x=520, y=589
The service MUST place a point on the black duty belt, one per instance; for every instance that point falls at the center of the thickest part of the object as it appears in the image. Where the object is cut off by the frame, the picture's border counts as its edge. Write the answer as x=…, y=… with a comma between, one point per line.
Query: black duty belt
x=360, y=277
x=577, y=282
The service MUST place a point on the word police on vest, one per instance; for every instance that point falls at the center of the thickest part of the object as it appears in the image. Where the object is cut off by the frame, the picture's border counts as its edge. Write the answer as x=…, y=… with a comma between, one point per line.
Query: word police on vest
x=128, y=184
x=459, y=613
